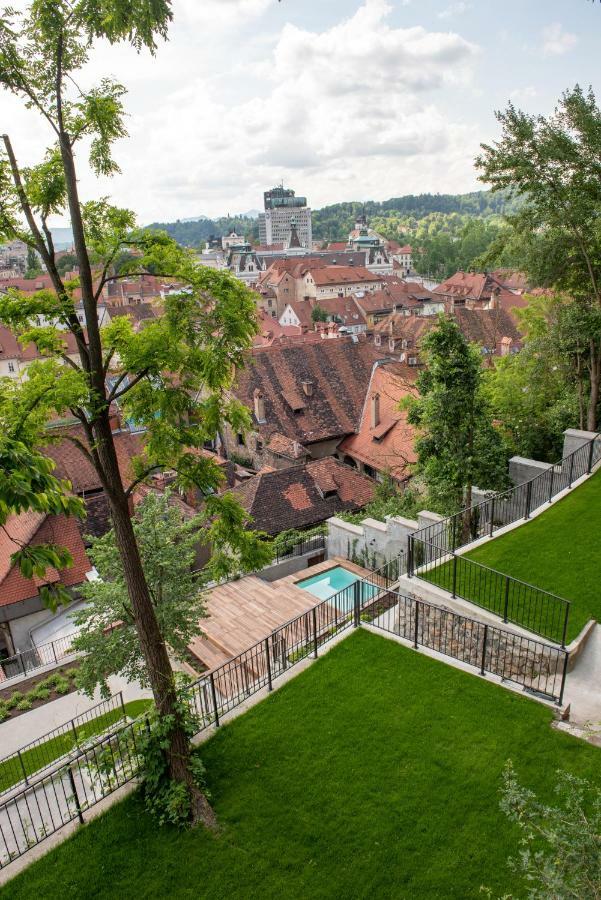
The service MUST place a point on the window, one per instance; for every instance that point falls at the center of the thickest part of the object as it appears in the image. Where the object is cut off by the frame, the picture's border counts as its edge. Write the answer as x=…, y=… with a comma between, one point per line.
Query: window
x=240, y=440
x=259, y=445
x=11, y=367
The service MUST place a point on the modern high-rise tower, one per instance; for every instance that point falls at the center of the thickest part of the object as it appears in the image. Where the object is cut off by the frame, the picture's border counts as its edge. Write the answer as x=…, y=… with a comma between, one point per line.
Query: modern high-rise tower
x=282, y=209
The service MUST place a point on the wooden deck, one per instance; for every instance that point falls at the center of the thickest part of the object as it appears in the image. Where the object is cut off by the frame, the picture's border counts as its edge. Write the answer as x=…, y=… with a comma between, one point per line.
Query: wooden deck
x=243, y=612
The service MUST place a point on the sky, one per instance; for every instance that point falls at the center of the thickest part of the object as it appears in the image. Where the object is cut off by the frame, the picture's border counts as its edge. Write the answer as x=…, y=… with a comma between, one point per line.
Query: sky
x=339, y=99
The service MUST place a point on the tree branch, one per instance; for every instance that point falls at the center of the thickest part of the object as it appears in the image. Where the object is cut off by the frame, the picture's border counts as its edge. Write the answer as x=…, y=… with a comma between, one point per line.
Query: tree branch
x=142, y=477
x=115, y=394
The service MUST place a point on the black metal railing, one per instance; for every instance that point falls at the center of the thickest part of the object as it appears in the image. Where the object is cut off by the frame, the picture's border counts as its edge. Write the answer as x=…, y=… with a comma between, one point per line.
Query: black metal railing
x=63, y=796
x=534, y=665
x=47, y=750
x=515, y=601
x=312, y=544
x=52, y=653
x=504, y=508
x=432, y=550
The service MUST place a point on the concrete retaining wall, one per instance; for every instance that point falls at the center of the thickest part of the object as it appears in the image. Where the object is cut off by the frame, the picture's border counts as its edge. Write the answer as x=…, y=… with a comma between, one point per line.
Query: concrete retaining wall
x=374, y=541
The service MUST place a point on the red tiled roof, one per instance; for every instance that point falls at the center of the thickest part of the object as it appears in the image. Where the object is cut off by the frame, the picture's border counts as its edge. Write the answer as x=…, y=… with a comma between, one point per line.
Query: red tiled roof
x=11, y=348
x=72, y=464
x=338, y=372
x=33, y=529
x=345, y=309
x=389, y=446
x=301, y=496
x=342, y=275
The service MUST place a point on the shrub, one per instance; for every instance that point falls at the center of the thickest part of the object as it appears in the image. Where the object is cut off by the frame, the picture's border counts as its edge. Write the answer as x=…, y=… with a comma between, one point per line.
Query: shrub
x=62, y=686
x=71, y=673
x=40, y=693
x=24, y=703
x=14, y=699
x=4, y=710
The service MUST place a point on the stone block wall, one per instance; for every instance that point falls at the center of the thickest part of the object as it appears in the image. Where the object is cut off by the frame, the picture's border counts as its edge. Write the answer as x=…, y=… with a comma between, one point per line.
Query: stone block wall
x=372, y=540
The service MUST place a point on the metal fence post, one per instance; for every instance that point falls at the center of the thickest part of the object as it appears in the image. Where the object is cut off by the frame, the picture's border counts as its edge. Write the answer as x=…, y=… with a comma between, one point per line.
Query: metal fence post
x=454, y=575
x=506, y=607
x=410, y=556
x=565, y=626
x=492, y=516
x=551, y=484
x=564, y=675
x=21, y=663
x=528, y=499
x=214, y=698
x=571, y=469
x=54, y=652
x=123, y=710
x=483, y=658
x=314, y=611
x=356, y=604
x=416, y=624
x=23, y=767
x=590, y=456
x=75, y=795
x=74, y=730
x=267, y=657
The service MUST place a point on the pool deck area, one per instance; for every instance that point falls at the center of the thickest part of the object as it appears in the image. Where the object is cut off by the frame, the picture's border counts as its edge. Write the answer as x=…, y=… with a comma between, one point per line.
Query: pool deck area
x=240, y=613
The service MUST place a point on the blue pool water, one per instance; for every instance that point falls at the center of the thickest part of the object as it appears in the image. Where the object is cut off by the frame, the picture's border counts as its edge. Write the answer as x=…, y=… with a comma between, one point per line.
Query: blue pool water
x=334, y=580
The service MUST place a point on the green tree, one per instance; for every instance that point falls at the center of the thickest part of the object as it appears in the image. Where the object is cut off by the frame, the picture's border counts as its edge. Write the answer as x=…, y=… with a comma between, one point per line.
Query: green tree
x=554, y=163
x=457, y=446
x=560, y=852
x=66, y=263
x=318, y=314
x=173, y=378
x=536, y=394
x=168, y=543
x=33, y=264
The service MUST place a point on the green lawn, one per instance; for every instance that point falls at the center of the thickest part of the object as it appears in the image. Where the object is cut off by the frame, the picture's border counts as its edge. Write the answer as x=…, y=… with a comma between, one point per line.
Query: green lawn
x=41, y=755
x=375, y=773
x=559, y=551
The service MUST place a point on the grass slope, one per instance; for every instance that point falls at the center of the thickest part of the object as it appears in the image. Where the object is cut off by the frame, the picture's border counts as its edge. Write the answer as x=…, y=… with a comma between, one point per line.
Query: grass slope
x=373, y=774
x=41, y=755
x=559, y=551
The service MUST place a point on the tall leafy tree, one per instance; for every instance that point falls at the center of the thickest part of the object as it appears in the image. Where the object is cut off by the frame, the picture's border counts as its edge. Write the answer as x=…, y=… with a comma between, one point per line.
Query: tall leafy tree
x=554, y=163
x=457, y=446
x=172, y=378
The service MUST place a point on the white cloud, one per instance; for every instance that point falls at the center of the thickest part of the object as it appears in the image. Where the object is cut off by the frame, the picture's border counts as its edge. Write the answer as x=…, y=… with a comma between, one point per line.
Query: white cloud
x=355, y=110
x=556, y=41
x=524, y=93
x=455, y=9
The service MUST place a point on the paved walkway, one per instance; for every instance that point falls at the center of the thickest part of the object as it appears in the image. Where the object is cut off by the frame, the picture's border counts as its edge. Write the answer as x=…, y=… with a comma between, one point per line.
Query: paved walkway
x=583, y=686
x=37, y=722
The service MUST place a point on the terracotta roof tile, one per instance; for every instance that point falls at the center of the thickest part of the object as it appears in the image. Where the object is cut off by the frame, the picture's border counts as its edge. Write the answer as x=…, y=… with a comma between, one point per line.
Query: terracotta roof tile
x=302, y=496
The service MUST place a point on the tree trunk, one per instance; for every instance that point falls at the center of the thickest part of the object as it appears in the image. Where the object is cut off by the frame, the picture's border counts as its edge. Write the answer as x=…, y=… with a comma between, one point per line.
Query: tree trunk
x=595, y=376
x=158, y=666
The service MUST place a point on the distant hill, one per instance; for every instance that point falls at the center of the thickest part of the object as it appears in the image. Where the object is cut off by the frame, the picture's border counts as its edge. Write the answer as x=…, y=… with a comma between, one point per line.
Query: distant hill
x=334, y=222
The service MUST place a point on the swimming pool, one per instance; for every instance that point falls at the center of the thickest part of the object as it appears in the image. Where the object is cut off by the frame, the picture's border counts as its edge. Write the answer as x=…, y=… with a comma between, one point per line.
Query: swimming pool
x=333, y=581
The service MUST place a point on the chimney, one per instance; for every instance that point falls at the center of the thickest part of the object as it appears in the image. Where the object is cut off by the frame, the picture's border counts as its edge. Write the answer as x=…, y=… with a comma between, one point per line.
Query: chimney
x=307, y=388
x=259, y=401
x=375, y=410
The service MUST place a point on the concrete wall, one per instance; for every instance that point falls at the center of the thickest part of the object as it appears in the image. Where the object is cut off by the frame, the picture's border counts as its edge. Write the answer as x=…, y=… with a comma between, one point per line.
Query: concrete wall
x=292, y=565
x=372, y=540
x=522, y=469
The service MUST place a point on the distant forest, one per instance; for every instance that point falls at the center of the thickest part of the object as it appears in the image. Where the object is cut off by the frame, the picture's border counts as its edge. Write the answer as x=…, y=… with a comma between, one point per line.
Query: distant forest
x=447, y=231
x=333, y=223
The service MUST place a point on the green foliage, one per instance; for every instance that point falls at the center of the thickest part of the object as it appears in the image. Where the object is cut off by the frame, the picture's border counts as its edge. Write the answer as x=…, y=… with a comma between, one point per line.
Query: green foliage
x=286, y=540
x=457, y=446
x=4, y=710
x=318, y=314
x=167, y=543
x=33, y=264
x=170, y=801
x=560, y=853
x=24, y=704
x=534, y=394
x=553, y=163
x=389, y=500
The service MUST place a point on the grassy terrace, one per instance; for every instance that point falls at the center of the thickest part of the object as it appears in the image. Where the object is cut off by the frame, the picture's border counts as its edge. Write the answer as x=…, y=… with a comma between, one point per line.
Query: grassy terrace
x=559, y=551
x=41, y=755
x=375, y=773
